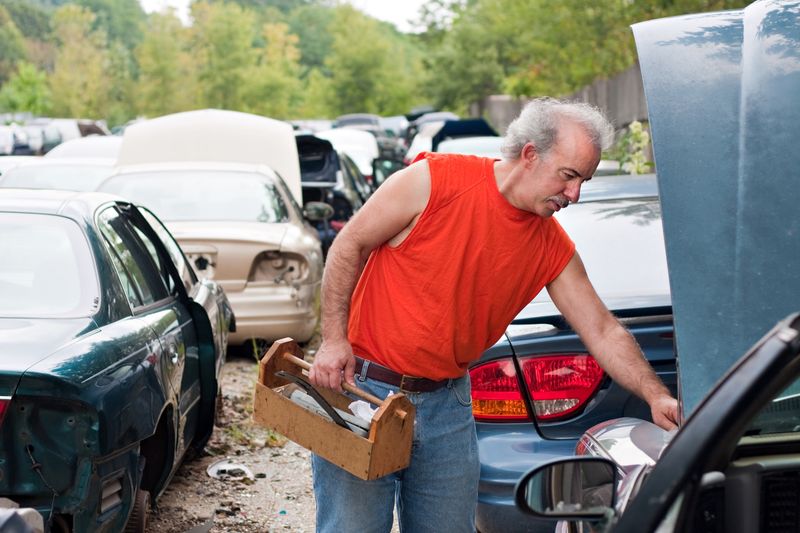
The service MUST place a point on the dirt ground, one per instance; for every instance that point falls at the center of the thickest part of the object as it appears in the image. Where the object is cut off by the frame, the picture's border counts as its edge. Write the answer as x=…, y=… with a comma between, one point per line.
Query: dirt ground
x=279, y=498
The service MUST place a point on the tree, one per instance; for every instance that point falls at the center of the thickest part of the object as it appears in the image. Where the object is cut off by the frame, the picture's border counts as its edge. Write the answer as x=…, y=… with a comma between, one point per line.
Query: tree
x=31, y=19
x=79, y=83
x=121, y=20
x=166, y=81
x=12, y=45
x=312, y=24
x=368, y=73
x=222, y=41
x=316, y=91
x=466, y=66
x=274, y=86
x=26, y=91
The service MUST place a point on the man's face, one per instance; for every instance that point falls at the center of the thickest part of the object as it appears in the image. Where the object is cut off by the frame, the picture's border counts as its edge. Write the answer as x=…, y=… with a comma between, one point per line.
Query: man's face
x=553, y=181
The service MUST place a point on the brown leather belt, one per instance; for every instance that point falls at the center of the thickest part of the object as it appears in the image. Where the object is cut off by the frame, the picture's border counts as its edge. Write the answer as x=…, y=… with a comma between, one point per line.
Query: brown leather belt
x=403, y=382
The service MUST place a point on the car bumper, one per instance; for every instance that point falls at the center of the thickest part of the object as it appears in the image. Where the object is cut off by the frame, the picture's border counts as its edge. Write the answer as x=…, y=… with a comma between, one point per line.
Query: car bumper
x=506, y=452
x=274, y=312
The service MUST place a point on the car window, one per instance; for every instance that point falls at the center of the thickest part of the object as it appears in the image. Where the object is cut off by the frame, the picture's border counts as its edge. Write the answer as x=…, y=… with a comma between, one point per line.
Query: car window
x=781, y=415
x=47, y=268
x=185, y=270
x=132, y=260
x=163, y=268
x=286, y=193
x=202, y=195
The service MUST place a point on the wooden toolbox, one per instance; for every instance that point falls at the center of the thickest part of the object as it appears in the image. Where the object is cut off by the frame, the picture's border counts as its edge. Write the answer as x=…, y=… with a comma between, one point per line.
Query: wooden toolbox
x=386, y=444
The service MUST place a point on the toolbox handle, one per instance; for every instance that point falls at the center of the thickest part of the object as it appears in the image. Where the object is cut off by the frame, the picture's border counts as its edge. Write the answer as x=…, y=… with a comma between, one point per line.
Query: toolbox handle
x=346, y=386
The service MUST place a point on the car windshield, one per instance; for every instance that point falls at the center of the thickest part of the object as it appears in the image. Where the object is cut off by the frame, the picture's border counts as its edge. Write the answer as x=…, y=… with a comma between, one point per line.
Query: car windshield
x=66, y=177
x=781, y=415
x=47, y=268
x=202, y=195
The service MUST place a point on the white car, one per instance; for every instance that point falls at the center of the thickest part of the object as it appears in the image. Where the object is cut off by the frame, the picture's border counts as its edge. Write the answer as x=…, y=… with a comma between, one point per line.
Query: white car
x=224, y=184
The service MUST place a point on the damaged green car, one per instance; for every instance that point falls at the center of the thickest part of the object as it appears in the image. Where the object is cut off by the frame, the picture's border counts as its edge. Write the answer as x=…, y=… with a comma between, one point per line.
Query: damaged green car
x=112, y=349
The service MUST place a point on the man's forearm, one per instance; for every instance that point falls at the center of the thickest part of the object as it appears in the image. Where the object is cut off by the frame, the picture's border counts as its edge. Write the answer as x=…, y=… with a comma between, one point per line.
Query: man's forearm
x=620, y=356
x=344, y=264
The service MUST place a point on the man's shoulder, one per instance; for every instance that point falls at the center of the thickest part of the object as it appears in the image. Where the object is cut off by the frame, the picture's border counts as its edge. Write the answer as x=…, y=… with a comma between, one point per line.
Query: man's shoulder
x=447, y=157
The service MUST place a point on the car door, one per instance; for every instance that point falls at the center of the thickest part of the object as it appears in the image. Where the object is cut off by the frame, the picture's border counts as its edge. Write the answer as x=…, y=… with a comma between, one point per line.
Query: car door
x=733, y=466
x=159, y=307
x=212, y=319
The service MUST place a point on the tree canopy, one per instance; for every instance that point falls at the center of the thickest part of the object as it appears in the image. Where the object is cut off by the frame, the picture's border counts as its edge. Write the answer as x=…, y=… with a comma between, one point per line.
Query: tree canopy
x=308, y=58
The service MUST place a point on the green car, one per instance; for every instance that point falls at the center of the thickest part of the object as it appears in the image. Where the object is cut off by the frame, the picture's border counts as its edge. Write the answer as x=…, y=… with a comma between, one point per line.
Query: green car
x=112, y=351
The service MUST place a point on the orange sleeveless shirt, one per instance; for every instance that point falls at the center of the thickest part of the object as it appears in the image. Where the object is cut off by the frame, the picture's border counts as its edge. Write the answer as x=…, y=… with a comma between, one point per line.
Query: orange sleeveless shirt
x=433, y=304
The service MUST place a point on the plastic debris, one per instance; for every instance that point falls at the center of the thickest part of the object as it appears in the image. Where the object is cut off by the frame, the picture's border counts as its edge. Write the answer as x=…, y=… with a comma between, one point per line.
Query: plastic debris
x=225, y=469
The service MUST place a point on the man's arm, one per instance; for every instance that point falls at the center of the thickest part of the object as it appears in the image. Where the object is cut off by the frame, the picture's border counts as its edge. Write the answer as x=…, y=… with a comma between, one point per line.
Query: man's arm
x=387, y=216
x=611, y=344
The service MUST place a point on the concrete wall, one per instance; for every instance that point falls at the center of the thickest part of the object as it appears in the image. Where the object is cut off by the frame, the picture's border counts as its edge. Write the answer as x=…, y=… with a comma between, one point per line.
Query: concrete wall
x=621, y=97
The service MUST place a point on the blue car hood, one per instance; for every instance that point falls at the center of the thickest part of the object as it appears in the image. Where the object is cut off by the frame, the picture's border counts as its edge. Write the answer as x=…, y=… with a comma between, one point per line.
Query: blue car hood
x=26, y=341
x=723, y=93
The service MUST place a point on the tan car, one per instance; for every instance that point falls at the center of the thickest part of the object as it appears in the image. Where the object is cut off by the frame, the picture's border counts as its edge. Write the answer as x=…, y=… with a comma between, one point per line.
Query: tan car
x=209, y=175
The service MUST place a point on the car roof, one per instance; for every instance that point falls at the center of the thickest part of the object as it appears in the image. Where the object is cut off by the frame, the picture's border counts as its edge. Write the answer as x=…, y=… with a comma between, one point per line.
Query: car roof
x=214, y=135
x=75, y=205
x=91, y=146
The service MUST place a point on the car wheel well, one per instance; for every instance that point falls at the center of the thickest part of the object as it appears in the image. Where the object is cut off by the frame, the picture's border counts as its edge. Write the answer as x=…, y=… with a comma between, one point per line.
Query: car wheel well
x=158, y=451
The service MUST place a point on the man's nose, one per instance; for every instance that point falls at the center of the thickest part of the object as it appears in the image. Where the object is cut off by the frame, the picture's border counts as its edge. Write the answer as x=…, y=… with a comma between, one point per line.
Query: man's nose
x=573, y=191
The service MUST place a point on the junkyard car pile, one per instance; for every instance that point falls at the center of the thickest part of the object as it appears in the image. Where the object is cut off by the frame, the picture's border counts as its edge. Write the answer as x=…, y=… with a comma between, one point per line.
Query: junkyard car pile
x=115, y=334
x=722, y=95
x=230, y=193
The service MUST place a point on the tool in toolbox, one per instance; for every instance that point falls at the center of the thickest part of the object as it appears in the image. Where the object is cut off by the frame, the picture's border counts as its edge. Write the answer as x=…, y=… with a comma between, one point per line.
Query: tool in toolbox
x=320, y=419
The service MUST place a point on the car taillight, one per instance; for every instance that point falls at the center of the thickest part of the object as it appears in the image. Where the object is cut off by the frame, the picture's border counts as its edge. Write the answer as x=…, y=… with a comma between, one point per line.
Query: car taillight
x=495, y=392
x=278, y=268
x=560, y=384
x=5, y=401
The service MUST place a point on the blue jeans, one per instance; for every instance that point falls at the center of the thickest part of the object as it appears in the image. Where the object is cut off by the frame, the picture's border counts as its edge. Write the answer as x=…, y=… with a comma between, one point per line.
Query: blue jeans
x=437, y=492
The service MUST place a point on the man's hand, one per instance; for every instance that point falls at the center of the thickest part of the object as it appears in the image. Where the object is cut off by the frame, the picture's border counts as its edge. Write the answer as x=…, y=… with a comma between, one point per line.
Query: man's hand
x=333, y=361
x=664, y=409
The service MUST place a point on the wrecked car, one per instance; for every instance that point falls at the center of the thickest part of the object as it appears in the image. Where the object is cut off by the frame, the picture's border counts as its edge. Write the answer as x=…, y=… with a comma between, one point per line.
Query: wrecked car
x=113, y=349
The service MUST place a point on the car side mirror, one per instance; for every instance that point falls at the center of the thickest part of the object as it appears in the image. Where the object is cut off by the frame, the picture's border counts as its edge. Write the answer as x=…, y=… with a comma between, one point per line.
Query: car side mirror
x=577, y=488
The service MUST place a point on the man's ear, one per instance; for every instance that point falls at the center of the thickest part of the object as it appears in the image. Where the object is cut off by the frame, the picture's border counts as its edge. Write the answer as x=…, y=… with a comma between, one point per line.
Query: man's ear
x=529, y=153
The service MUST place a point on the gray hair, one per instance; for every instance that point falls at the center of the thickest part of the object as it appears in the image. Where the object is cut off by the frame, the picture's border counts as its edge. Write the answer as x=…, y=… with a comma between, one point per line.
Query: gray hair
x=539, y=122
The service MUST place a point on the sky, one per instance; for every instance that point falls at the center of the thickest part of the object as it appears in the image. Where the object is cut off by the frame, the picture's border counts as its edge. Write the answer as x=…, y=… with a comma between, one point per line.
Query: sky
x=398, y=12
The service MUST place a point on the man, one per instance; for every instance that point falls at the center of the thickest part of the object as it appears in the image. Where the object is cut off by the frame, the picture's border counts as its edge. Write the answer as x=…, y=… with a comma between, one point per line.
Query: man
x=427, y=276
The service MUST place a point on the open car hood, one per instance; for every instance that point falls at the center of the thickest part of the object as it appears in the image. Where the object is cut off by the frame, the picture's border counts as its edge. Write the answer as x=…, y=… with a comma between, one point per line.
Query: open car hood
x=723, y=92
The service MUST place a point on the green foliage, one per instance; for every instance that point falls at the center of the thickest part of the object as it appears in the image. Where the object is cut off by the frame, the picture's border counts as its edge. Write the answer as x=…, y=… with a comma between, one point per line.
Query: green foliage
x=12, y=45
x=31, y=19
x=312, y=25
x=26, y=91
x=121, y=20
x=167, y=80
x=466, y=65
x=222, y=41
x=273, y=87
x=536, y=47
x=368, y=72
x=80, y=81
x=315, y=104
x=632, y=148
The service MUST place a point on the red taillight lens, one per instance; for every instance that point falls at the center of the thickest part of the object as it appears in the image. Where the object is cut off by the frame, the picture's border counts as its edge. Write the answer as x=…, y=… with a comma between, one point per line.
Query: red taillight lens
x=5, y=401
x=560, y=384
x=495, y=392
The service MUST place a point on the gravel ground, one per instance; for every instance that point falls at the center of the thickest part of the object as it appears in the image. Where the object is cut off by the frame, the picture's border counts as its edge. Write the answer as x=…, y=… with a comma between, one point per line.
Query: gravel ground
x=280, y=498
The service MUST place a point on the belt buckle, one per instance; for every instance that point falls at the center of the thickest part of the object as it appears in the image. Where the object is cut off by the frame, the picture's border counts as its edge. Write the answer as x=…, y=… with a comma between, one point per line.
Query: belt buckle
x=402, y=383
